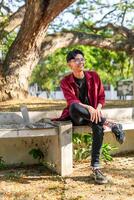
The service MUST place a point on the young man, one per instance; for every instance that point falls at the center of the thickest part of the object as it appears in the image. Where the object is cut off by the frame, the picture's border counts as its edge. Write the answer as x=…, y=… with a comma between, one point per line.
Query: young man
x=84, y=93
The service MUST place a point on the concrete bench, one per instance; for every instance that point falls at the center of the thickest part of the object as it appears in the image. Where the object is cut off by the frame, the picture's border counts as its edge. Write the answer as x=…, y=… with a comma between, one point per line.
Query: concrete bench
x=55, y=140
x=57, y=148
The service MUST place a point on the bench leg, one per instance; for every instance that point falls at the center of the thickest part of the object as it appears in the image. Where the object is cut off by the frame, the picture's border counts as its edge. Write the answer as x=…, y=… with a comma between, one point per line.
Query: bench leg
x=65, y=164
x=59, y=153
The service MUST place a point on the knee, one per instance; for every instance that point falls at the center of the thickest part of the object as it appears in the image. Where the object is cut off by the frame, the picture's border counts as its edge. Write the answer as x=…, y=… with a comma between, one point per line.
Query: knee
x=73, y=108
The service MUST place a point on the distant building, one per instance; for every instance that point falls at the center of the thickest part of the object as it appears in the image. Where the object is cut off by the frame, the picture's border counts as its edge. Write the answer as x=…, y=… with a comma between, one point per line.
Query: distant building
x=125, y=88
x=110, y=92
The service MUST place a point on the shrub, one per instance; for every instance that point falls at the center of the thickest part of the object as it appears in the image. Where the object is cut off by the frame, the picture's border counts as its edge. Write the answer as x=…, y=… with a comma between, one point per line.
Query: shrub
x=82, y=147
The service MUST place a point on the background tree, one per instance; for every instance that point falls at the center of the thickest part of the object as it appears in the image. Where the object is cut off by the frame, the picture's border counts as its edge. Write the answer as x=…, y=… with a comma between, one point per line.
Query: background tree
x=25, y=51
x=111, y=66
x=32, y=43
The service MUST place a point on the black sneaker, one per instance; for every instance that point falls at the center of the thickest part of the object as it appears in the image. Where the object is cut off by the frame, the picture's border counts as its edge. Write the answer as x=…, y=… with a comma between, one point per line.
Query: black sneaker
x=99, y=177
x=117, y=129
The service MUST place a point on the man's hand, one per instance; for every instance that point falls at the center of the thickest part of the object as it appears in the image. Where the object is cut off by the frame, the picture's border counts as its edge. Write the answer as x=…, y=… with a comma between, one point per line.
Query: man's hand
x=99, y=114
x=99, y=111
x=95, y=114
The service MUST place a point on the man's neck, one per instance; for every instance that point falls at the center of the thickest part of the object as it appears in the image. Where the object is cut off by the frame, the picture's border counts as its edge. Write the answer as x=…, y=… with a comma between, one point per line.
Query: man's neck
x=79, y=75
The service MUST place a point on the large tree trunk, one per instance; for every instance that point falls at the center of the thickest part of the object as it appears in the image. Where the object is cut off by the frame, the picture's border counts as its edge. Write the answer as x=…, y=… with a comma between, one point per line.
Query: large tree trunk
x=25, y=52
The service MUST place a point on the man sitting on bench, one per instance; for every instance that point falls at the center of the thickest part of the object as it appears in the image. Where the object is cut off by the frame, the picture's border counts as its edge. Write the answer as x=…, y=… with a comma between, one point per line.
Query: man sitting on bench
x=84, y=93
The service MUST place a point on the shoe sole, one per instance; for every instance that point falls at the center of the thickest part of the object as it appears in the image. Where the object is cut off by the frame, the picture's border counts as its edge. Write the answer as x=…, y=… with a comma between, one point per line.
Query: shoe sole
x=121, y=142
x=101, y=182
x=121, y=127
x=97, y=181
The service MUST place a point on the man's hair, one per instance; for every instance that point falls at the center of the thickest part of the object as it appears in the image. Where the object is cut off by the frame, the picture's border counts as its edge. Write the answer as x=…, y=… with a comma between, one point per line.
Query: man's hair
x=72, y=54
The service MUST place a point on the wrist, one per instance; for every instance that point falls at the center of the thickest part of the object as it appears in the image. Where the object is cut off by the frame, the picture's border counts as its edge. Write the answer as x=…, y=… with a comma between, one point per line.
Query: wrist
x=99, y=107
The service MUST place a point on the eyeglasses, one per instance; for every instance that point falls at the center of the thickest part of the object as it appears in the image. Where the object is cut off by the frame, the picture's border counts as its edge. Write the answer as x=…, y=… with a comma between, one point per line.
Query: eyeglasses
x=79, y=60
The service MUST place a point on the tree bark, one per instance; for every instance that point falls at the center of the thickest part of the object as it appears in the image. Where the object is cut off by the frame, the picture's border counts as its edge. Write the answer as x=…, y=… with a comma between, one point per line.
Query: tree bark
x=24, y=53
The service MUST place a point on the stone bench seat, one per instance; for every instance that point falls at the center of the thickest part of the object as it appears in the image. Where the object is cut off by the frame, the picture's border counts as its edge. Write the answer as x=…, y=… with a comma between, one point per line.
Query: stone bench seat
x=20, y=131
x=54, y=139
x=60, y=147
x=129, y=125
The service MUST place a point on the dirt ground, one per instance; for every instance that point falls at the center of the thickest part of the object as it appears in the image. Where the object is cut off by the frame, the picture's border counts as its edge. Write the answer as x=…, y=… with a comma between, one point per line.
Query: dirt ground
x=38, y=183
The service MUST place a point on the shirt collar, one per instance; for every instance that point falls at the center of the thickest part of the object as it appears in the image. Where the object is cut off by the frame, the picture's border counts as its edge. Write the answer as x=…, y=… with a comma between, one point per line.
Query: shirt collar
x=87, y=75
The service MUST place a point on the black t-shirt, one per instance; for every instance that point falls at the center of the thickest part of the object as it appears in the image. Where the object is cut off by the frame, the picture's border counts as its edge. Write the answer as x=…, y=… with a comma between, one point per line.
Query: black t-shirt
x=82, y=86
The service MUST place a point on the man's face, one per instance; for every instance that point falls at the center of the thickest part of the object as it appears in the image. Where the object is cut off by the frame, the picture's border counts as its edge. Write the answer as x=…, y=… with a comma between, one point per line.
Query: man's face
x=77, y=64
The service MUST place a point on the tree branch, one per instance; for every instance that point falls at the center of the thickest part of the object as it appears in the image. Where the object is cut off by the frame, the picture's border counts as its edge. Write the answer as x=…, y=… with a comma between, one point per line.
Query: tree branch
x=14, y=20
x=125, y=32
x=7, y=9
x=123, y=15
x=104, y=16
x=66, y=39
x=33, y=29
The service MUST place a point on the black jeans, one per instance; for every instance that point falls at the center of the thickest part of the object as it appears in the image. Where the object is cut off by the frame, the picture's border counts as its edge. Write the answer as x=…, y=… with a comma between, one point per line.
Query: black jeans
x=81, y=116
